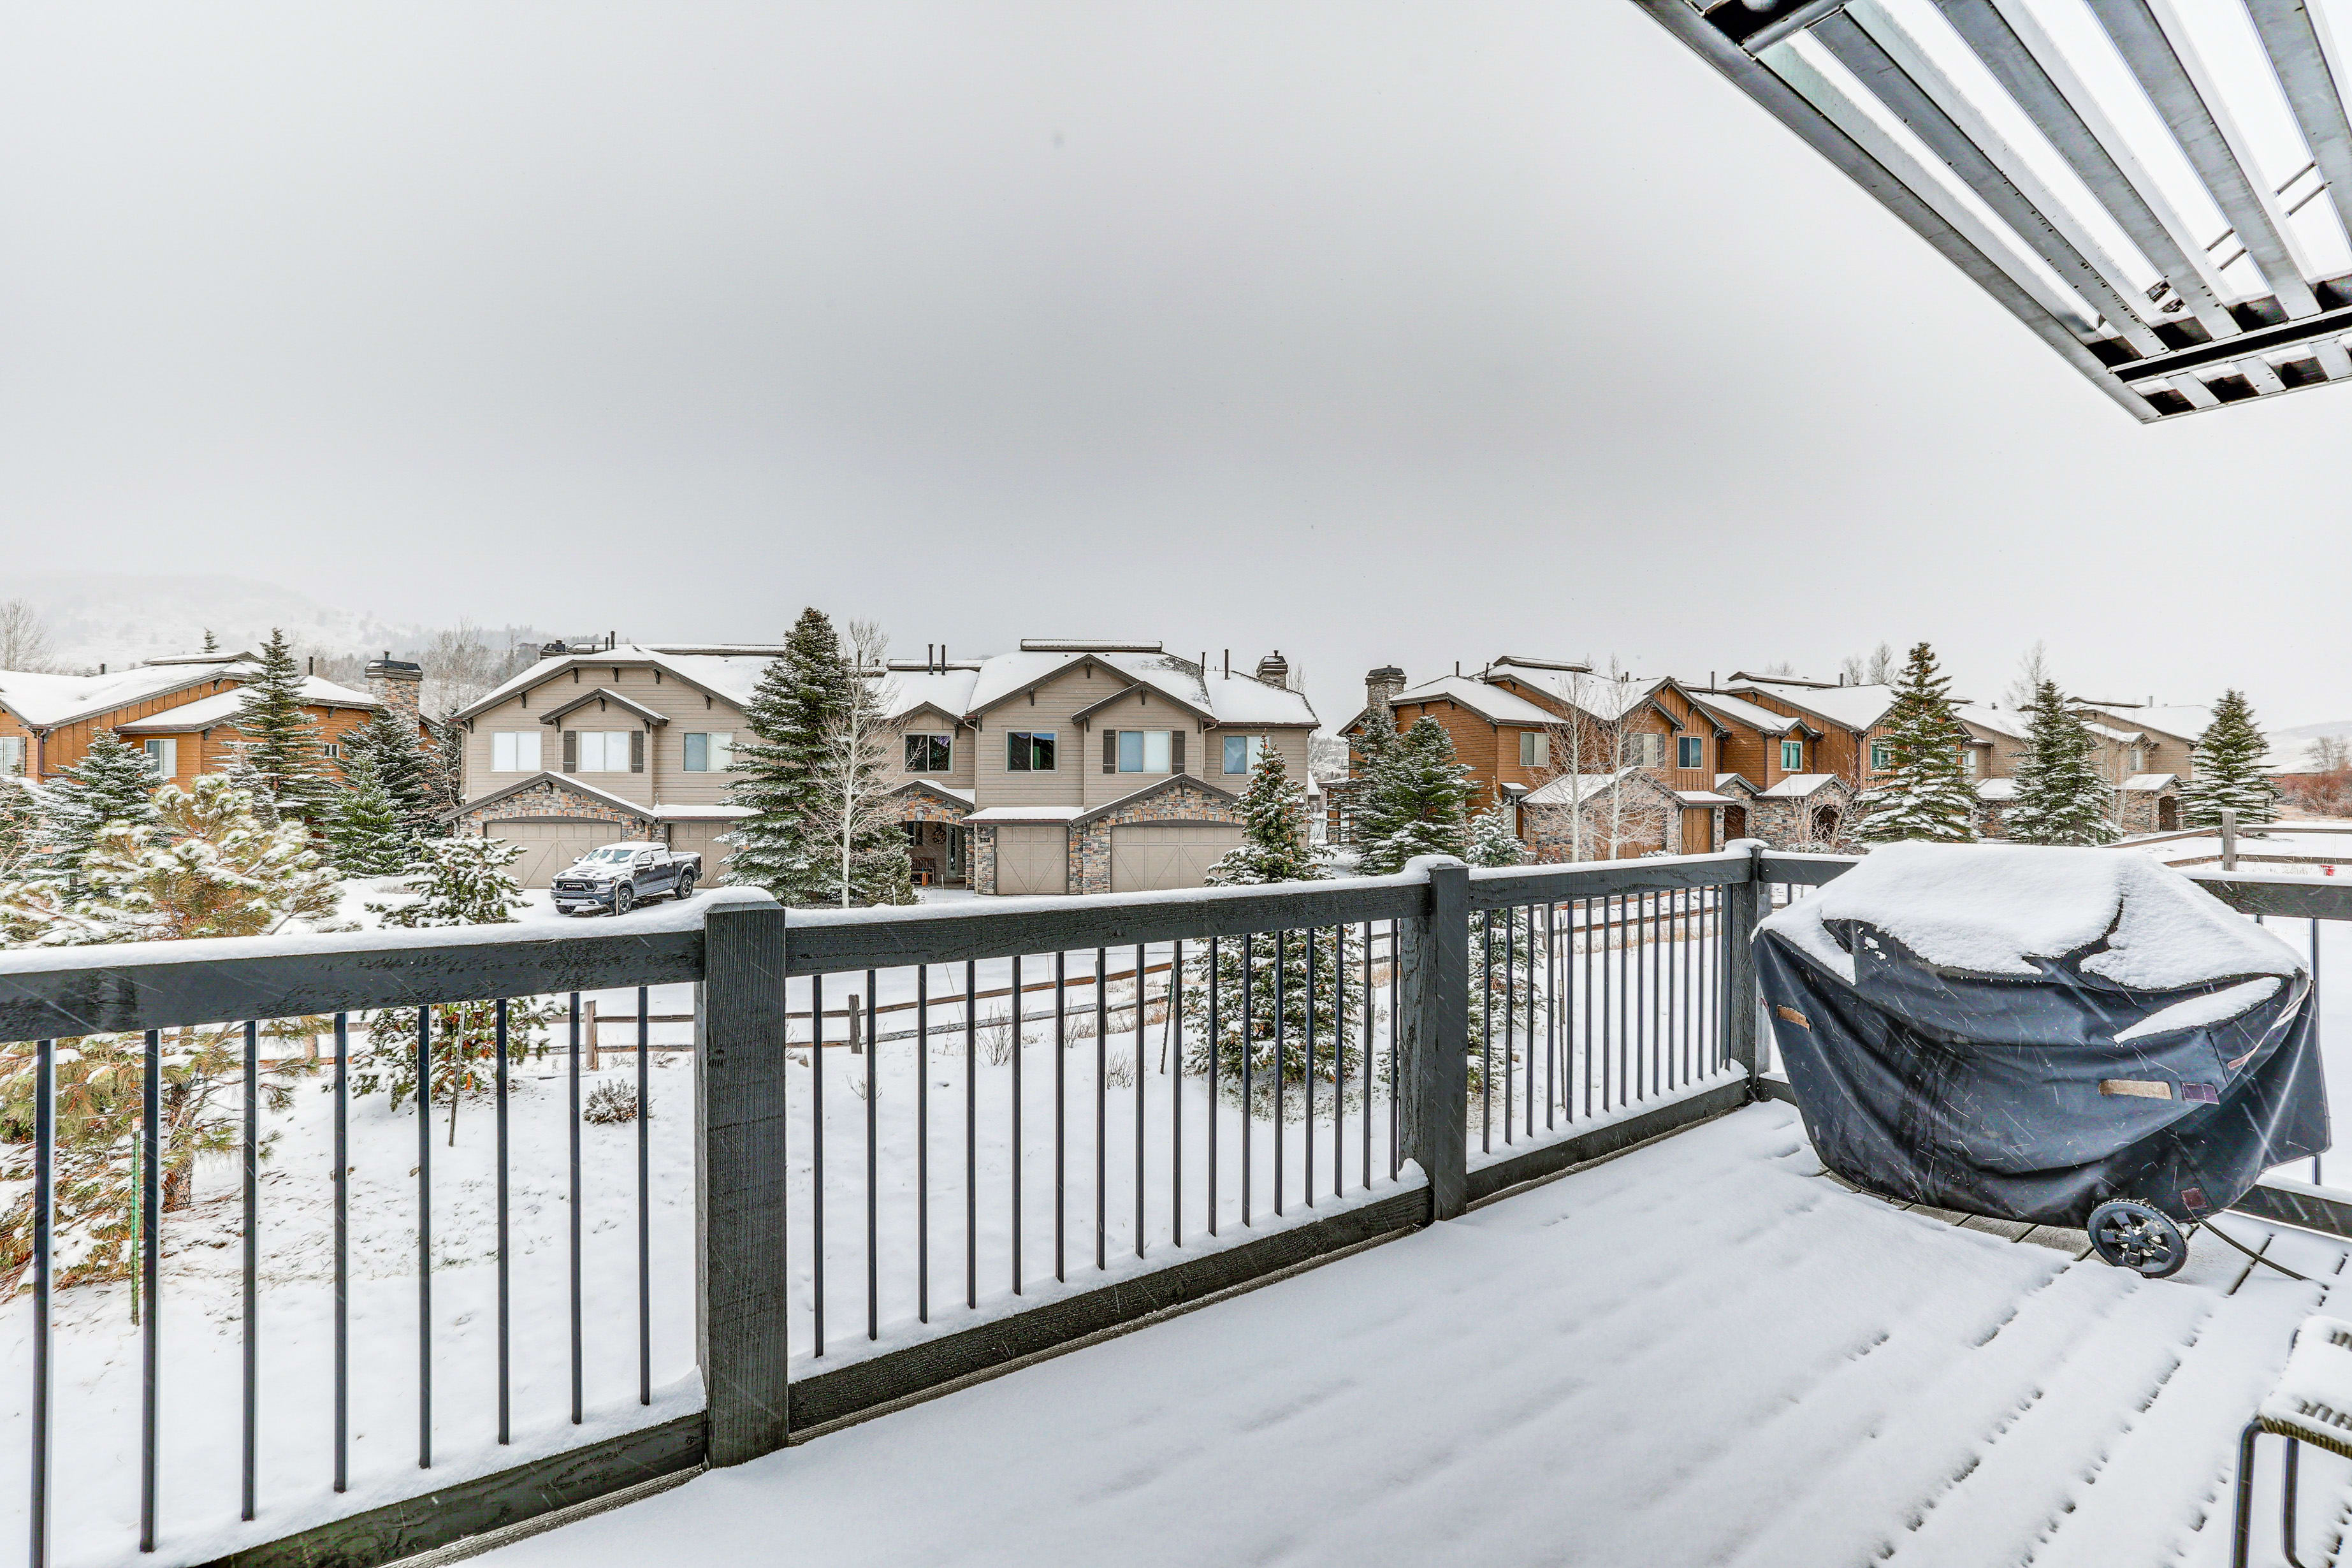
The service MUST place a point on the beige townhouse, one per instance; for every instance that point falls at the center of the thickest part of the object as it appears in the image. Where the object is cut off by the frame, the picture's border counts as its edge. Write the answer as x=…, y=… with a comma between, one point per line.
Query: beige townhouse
x=1078, y=766
x=594, y=744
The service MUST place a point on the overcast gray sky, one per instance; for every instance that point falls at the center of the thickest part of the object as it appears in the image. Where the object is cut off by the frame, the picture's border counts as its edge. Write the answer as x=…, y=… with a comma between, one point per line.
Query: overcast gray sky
x=1373, y=331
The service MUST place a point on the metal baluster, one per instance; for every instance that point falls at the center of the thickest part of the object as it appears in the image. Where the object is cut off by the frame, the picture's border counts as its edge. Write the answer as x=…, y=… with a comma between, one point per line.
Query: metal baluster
x=1587, y=1053
x=923, y=1144
x=1553, y=971
x=1281, y=1067
x=251, y=1284
x=1216, y=1046
x=817, y=1159
x=1249, y=1061
x=1510, y=1011
x=1174, y=1034
x=506, y=1410
x=2314, y=1018
x=645, y=1200
x=45, y=1141
x=873, y=1197
x=424, y=1236
x=151, y=1268
x=578, y=1411
x=1016, y=1124
x=970, y=1133
x=1061, y=1141
x=1339, y=1060
x=1306, y=1075
x=1396, y=1151
x=1102, y=1106
x=1608, y=954
x=1365, y=1071
x=344, y=1252
x=1142, y=1080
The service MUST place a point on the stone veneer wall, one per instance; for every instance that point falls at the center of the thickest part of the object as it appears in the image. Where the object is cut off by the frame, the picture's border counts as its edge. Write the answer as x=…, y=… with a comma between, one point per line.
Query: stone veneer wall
x=1090, y=842
x=1786, y=823
x=546, y=800
x=983, y=850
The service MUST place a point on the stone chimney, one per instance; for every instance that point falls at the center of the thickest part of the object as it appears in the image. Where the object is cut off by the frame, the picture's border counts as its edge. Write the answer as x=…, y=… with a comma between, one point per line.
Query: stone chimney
x=1382, y=686
x=398, y=684
x=1275, y=670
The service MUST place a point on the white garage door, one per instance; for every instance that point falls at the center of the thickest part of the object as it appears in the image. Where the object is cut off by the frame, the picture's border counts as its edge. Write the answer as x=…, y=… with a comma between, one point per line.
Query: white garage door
x=1155, y=854
x=1032, y=860
x=548, y=847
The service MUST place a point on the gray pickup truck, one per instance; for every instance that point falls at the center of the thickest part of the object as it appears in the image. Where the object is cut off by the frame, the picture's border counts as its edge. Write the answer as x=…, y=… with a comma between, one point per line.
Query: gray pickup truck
x=619, y=877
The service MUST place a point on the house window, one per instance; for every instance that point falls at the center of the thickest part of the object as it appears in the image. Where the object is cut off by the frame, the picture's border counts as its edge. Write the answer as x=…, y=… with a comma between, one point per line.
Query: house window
x=1792, y=756
x=1143, y=750
x=330, y=749
x=603, y=751
x=1646, y=750
x=1243, y=752
x=1534, y=749
x=1029, y=751
x=163, y=757
x=710, y=753
x=12, y=754
x=514, y=751
x=1882, y=756
x=929, y=754
x=1690, y=752
x=1968, y=760
x=2138, y=760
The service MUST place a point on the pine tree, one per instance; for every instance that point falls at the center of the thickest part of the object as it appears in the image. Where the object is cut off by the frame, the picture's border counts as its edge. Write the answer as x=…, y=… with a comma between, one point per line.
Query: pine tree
x=390, y=742
x=113, y=784
x=1492, y=840
x=1416, y=803
x=2061, y=799
x=212, y=643
x=445, y=770
x=2228, y=769
x=1292, y=976
x=1927, y=795
x=1274, y=846
x=244, y=777
x=281, y=740
x=459, y=881
x=365, y=835
x=797, y=702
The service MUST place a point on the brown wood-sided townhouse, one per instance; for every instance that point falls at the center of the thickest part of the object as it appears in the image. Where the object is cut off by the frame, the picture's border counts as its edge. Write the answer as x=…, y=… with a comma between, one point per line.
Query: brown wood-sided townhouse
x=182, y=711
x=1075, y=766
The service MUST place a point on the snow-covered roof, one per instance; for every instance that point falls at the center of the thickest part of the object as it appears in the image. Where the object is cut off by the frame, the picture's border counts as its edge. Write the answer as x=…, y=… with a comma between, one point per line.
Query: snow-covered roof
x=223, y=707
x=2140, y=783
x=1703, y=797
x=1796, y=786
x=2121, y=737
x=1023, y=813
x=1487, y=700
x=1984, y=716
x=2182, y=721
x=948, y=690
x=729, y=674
x=1996, y=789
x=1855, y=708
x=1567, y=789
x=1741, y=712
x=44, y=701
x=1606, y=697
x=1724, y=781
x=1230, y=698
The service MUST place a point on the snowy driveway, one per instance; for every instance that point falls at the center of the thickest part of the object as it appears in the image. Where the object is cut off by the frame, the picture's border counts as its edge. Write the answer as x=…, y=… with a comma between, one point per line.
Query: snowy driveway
x=1703, y=1353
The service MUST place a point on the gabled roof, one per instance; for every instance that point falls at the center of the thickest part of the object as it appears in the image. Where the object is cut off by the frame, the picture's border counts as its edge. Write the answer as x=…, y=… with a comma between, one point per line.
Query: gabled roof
x=1486, y=699
x=223, y=707
x=603, y=694
x=45, y=701
x=1138, y=695
x=1571, y=789
x=1796, y=786
x=729, y=674
x=1229, y=700
x=945, y=691
x=1855, y=708
x=2147, y=784
x=2122, y=737
x=1739, y=710
x=560, y=781
x=962, y=797
x=2182, y=721
x=2007, y=722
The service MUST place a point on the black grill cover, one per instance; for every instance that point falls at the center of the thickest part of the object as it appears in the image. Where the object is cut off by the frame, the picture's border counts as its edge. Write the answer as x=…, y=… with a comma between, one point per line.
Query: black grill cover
x=2008, y=1095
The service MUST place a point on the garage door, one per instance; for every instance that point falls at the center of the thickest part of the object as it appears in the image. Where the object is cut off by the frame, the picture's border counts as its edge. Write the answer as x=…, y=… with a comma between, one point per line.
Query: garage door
x=1150, y=856
x=1032, y=860
x=548, y=847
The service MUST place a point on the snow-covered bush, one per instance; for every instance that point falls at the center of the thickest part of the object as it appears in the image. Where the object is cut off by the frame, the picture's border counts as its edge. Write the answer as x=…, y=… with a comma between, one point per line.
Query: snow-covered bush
x=611, y=1105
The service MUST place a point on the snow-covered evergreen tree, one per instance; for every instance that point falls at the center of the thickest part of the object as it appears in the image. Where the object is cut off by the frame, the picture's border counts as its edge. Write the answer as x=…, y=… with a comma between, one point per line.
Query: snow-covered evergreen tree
x=443, y=749
x=1260, y=979
x=113, y=783
x=281, y=740
x=2227, y=771
x=2061, y=799
x=390, y=743
x=1492, y=840
x=365, y=835
x=1274, y=846
x=1415, y=803
x=1927, y=794
x=856, y=843
x=461, y=881
x=800, y=697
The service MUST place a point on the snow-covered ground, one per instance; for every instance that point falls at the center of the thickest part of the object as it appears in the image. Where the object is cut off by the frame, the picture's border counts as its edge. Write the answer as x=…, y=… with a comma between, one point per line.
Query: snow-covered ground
x=1702, y=1353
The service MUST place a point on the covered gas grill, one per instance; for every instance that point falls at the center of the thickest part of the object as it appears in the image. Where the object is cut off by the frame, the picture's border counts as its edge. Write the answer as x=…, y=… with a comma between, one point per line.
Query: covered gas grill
x=2078, y=1038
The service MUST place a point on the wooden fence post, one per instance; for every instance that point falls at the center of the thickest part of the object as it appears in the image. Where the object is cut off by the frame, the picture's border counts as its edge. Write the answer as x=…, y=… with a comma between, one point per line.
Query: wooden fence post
x=738, y=1148
x=856, y=1027
x=1434, y=1032
x=1743, y=904
x=588, y=1022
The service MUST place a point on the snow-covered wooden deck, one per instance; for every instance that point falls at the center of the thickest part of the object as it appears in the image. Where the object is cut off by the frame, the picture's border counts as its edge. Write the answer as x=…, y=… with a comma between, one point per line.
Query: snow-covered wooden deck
x=1702, y=1353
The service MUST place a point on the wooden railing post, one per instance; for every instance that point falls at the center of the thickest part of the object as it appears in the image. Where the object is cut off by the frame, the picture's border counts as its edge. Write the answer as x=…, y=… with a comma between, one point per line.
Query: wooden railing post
x=1434, y=1036
x=1743, y=906
x=738, y=1150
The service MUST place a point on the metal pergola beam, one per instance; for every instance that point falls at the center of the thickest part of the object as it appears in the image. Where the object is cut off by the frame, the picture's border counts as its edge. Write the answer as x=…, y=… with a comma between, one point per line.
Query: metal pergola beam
x=2296, y=37
x=2309, y=332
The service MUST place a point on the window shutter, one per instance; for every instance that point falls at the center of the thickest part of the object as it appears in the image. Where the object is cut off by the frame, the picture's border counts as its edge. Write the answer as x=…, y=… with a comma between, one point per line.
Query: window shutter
x=1110, y=750
x=1176, y=752
x=571, y=751
x=636, y=750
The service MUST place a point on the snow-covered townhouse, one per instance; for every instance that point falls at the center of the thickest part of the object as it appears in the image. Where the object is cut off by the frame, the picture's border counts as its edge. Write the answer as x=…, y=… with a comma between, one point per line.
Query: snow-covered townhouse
x=1997, y=738
x=1080, y=766
x=1595, y=766
x=2147, y=750
x=181, y=710
x=591, y=744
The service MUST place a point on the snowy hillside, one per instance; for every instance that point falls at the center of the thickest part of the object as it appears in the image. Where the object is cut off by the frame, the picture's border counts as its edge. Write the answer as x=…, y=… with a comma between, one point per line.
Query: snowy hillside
x=119, y=618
